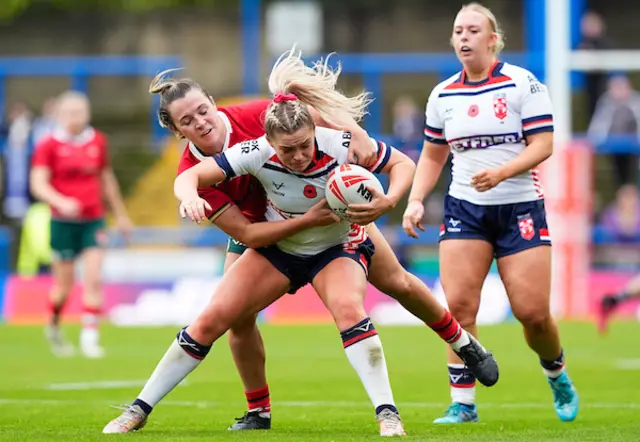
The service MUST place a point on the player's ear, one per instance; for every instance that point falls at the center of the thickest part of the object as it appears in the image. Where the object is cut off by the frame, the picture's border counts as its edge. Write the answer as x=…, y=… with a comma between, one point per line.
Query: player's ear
x=178, y=134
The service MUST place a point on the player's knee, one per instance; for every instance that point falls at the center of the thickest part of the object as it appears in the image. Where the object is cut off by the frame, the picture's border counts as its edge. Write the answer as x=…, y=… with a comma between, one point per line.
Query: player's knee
x=533, y=318
x=347, y=314
x=243, y=328
x=463, y=309
x=209, y=326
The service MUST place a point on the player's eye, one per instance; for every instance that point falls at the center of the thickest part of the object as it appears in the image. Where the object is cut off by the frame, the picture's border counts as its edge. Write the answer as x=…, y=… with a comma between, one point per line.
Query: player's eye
x=203, y=112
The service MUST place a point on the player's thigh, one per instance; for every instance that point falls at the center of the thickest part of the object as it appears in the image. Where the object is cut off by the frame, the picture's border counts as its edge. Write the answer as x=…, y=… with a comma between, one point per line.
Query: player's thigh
x=523, y=253
x=385, y=272
x=464, y=265
x=341, y=283
x=526, y=276
x=249, y=286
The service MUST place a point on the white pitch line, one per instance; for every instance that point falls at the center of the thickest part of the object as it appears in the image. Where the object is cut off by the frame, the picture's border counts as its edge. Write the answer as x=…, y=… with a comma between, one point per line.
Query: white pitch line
x=98, y=385
x=324, y=404
x=627, y=364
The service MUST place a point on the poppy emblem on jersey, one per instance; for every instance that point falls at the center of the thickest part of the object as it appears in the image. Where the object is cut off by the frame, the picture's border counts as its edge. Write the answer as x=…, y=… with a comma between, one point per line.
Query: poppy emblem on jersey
x=310, y=191
x=473, y=110
x=500, y=106
x=527, y=229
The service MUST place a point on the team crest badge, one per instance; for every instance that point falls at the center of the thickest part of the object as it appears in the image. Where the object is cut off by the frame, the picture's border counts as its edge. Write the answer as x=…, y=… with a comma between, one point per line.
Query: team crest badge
x=527, y=229
x=500, y=105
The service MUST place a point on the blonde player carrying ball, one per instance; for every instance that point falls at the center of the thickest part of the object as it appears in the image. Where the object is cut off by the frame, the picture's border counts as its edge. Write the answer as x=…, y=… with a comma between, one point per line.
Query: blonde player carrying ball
x=293, y=162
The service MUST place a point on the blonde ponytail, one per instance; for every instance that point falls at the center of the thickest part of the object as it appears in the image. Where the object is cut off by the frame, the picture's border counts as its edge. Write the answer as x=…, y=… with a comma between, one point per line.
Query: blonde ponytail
x=314, y=86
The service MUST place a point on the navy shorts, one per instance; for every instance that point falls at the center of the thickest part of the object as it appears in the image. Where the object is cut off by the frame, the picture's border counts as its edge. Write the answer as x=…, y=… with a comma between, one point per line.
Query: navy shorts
x=510, y=228
x=301, y=270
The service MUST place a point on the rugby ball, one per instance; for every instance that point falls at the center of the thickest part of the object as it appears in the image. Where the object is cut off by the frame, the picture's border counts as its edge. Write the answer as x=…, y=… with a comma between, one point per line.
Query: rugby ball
x=348, y=184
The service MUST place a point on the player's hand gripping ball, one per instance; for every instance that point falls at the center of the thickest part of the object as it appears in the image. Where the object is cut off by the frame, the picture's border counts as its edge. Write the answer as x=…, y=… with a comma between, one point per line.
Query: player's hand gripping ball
x=350, y=184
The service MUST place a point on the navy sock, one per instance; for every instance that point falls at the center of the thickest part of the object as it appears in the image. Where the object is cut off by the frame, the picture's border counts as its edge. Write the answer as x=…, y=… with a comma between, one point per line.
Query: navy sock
x=142, y=404
x=190, y=346
x=386, y=407
x=362, y=330
x=554, y=365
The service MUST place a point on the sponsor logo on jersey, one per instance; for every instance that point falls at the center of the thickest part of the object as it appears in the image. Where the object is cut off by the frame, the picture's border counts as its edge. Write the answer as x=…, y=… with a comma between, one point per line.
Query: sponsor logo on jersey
x=484, y=141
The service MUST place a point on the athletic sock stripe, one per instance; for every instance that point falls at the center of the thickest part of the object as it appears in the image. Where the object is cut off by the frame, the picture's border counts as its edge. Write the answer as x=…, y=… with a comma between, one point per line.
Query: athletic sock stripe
x=359, y=338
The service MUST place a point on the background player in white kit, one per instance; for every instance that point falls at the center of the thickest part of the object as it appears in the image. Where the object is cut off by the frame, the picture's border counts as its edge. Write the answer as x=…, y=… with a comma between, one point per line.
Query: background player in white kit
x=497, y=120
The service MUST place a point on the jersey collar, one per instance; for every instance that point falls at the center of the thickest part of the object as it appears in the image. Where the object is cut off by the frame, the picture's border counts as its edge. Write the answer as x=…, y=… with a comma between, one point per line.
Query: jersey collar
x=200, y=155
x=494, y=72
x=64, y=137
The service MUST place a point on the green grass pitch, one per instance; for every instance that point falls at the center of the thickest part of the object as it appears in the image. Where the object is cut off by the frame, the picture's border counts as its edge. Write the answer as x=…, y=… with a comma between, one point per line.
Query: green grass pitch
x=316, y=396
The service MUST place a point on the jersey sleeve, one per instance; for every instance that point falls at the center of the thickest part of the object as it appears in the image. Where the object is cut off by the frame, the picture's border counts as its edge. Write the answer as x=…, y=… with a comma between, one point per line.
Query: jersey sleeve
x=42, y=153
x=433, y=124
x=244, y=158
x=217, y=199
x=536, y=110
x=383, y=151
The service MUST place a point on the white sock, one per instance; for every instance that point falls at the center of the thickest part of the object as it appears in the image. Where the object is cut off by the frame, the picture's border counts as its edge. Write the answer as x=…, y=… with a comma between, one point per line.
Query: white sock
x=89, y=337
x=174, y=366
x=367, y=359
x=461, y=341
x=554, y=374
x=461, y=376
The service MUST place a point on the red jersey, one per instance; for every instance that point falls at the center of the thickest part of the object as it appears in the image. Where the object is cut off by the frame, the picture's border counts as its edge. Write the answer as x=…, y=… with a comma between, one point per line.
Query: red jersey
x=76, y=165
x=244, y=122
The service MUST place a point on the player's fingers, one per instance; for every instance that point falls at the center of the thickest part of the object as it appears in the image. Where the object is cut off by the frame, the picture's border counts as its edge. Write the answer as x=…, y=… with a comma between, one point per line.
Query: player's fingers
x=359, y=207
x=375, y=192
x=182, y=211
x=420, y=226
x=190, y=214
x=207, y=206
x=353, y=158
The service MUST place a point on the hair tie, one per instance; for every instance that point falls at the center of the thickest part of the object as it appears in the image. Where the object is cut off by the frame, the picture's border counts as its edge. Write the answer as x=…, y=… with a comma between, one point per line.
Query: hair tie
x=279, y=98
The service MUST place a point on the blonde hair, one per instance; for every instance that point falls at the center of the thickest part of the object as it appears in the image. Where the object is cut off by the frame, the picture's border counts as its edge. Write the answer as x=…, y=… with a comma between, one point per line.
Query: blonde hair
x=313, y=86
x=493, y=22
x=72, y=95
x=171, y=89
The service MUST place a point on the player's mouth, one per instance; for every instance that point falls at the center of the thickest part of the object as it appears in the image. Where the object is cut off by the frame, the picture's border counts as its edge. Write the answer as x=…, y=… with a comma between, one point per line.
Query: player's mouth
x=207, y=132
x=465, y=50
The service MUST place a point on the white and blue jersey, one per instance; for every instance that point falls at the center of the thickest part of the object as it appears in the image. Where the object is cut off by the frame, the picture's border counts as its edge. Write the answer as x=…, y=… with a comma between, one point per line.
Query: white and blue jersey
x=485, y=125
x=291, y=194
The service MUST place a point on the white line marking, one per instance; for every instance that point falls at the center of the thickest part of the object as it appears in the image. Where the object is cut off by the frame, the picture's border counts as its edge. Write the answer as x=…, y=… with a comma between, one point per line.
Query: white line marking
x=98, y=385
x=318, y=404
x=627, y=364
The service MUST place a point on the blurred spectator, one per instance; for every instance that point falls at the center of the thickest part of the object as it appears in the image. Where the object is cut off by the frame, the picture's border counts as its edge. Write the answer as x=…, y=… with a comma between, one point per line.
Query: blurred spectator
x=408, y=124
x=617, y=120
x=16, y=160
x=45, y=123
x=593, y=30
x=622, y=217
